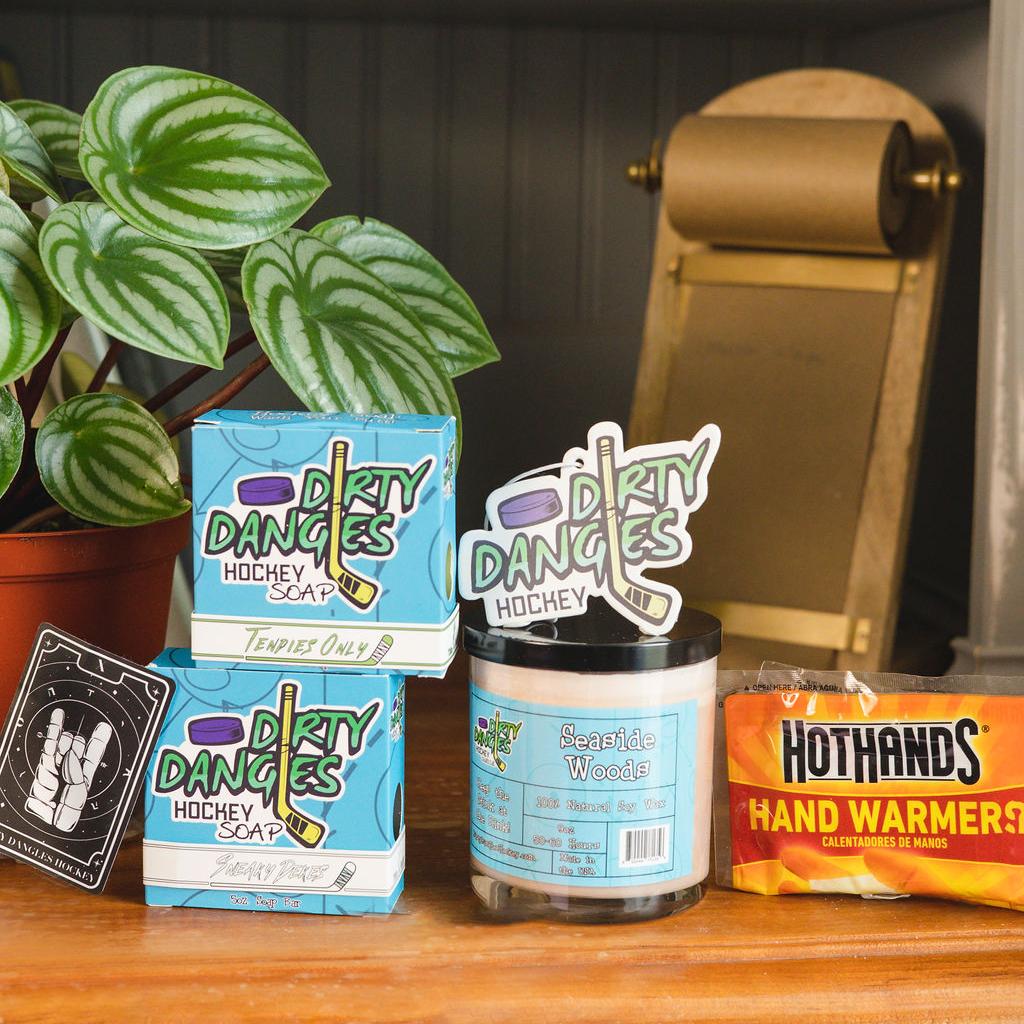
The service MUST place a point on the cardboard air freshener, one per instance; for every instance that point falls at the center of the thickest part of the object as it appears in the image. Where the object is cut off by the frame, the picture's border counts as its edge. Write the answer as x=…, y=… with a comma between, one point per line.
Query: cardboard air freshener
x=553, y=542
x=73, y=756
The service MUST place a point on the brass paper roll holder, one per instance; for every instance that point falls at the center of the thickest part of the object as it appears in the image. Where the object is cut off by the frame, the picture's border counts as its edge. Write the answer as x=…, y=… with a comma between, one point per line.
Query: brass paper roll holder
x=732, y=304
x=936, y=181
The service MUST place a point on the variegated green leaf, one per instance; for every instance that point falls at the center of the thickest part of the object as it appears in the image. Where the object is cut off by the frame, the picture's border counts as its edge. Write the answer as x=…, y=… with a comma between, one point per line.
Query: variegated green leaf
x=12, y=438
x=225, y=259
x=29, y=305
x=57, y=128
x=76, y=374
x=147, y=292
x=31, y=171
x=107, y=460
x=339, y=336
x=5, y=181
x=231, y=282
x=227, y=265
x=87, y=195
x=68, y=313
x=196, y=160
x=447, y=313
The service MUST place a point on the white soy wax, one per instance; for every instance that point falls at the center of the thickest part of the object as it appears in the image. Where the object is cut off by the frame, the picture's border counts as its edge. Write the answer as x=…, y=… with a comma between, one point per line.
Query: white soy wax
x=591, y=751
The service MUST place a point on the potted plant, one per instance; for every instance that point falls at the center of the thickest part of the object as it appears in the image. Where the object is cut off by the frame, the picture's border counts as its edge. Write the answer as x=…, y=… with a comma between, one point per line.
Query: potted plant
x=186, y=225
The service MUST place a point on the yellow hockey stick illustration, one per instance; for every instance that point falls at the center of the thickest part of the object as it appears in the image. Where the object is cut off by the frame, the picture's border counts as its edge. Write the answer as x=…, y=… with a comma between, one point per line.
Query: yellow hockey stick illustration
x=302, y=828
x=356, y=589
x=649, y=604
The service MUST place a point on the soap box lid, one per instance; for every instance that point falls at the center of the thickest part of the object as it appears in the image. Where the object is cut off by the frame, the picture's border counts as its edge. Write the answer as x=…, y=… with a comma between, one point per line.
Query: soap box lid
x=181, y=658
x=414, y=423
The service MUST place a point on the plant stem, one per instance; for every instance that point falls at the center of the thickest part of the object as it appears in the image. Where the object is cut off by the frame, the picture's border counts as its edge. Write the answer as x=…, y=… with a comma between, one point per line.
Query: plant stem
x=187, y=379
x=99, y=378
x=25, y=525
x=40, y=375
x=233, y=386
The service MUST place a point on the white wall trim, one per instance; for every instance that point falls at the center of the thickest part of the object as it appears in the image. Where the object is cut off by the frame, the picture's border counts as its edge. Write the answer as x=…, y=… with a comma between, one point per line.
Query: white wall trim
x=995, y=641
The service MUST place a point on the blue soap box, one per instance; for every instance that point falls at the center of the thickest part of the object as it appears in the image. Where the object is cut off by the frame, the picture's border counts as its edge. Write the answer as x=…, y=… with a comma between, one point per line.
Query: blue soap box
x=276, y=791
x=325, y=539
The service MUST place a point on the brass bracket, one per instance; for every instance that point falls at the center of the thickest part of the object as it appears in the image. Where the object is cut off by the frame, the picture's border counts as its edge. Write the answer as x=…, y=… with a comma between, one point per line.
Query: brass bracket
x=829, y=630
x=647, y=172
x=937, y=180
x=790, y=270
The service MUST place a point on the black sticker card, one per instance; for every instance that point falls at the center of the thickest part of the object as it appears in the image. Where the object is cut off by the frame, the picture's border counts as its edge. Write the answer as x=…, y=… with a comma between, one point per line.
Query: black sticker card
x=73, y=756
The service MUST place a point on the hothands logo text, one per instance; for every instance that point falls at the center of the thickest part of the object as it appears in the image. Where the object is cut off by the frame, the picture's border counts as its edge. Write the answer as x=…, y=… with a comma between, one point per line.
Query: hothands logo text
x=880, y=752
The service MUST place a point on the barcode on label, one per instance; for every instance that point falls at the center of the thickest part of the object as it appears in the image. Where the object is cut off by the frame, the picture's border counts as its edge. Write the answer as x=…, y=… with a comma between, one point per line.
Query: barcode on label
x=643, y=846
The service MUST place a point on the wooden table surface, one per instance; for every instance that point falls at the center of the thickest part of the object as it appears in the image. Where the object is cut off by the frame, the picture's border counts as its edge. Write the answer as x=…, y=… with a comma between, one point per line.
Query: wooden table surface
x=735, y=957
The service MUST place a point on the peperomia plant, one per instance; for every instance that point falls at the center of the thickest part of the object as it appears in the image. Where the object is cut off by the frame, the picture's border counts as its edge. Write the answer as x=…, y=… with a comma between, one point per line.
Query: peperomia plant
x=186, y=225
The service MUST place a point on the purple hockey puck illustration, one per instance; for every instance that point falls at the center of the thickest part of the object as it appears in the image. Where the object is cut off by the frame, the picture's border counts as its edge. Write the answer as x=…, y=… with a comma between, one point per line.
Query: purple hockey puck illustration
x=266, y=490
x=530, y=509
x=215, y=729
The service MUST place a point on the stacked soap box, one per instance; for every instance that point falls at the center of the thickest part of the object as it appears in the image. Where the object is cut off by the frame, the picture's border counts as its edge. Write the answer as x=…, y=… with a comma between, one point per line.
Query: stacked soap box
x=324, y=551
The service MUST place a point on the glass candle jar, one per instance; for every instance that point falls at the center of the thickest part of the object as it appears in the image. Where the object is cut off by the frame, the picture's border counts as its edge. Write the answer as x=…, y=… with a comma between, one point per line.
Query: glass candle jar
x=591, y=748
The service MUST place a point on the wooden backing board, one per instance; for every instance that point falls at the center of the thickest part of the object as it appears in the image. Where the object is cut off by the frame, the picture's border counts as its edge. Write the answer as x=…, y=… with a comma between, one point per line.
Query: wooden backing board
x=876, y=533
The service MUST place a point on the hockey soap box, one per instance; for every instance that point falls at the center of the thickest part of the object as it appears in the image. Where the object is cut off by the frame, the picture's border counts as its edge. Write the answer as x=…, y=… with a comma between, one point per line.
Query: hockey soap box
x=276, y=791
x=325, y=539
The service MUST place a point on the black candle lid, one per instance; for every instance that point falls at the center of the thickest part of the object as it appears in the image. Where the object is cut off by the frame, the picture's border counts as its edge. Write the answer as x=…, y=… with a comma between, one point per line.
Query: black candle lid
x=600, y=640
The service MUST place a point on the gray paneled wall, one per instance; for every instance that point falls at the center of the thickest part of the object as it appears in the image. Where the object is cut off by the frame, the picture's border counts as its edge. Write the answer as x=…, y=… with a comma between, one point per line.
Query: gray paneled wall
x=502, y=150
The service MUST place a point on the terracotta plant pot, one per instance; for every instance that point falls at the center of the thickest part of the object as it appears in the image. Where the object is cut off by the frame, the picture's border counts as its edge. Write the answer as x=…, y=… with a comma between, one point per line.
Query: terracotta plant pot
x=109, y=585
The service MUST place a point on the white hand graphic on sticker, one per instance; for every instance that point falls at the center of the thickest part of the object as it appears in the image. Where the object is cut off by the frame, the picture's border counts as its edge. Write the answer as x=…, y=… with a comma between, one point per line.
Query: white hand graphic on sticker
x=65, y=772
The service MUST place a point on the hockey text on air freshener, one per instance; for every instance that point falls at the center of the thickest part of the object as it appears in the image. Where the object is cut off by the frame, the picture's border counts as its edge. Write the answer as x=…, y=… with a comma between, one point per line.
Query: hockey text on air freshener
x=591, y=687
x=73, y=755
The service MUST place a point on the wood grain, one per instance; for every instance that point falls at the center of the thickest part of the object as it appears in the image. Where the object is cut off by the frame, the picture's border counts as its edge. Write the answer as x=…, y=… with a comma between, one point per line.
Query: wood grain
x=735, y=957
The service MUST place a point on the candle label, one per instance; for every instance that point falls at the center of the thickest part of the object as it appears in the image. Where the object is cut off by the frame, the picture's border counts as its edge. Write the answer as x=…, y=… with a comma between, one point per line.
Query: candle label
x=556, y=541
x=589, y=797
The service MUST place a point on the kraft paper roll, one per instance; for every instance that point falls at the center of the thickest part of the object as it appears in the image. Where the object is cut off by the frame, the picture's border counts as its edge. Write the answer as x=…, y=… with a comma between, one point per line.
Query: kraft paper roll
x=818, y=184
